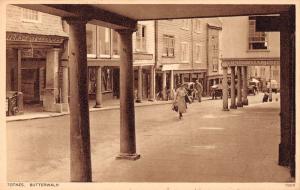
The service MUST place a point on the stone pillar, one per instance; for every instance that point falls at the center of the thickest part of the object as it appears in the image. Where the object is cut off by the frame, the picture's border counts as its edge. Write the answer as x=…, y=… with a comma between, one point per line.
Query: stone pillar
x=233, y=98
x=225, y=89
x=65, y=88
x=19, y=74
x=245, y=85
x=164, y=85
x=51, y=93
x=140, y=85
x=172, y=84
x=239, y=84
x=287, y=90
x=152, y=84
x=79, y=109
x=99, y=88
x=127, y=112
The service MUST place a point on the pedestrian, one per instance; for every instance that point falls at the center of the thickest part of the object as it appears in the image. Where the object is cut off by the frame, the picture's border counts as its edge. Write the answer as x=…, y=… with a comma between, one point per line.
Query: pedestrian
x=266, y=96
x=199, y=88
x=179, y=99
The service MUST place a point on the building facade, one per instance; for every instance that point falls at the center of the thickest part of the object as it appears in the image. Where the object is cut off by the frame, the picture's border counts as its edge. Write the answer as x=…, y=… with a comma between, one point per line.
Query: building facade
x=260, y=51
x=34, y=49
x=165, y=54
x=185, y=52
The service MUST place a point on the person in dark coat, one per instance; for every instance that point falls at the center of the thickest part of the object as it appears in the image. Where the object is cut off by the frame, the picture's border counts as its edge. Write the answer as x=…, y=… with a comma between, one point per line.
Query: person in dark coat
x=199, y=88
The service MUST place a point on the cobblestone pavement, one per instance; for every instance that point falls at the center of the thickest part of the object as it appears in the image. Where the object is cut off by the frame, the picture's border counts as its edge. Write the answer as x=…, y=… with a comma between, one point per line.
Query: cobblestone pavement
x=207, y=145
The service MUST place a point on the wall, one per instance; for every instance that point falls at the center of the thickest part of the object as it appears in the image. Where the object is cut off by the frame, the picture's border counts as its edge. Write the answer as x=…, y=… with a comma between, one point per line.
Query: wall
x=48, y=25
x=235, y=40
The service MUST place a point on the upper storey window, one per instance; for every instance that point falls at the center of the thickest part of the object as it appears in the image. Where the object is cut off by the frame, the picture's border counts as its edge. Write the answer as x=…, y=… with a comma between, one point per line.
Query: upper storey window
x=257, y=40
x=30, y=15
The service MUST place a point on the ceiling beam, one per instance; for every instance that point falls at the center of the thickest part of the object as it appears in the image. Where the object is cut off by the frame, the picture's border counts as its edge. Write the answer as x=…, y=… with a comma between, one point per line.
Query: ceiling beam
x=94, y=15
x=268, y=23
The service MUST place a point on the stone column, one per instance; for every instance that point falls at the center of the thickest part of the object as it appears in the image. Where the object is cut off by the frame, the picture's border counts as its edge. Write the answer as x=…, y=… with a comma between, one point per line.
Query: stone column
x=164, y=85
x=152, y=84
x=51, y=93
x=127, y=112
x=172, y=84
x=79, y=109
x=245, y=85
x=65, y=88
x=287, y=90
x=233, y=98
x=239, y=84
x=99, y=88
x=140, y=85
x=225, y=89
x=19, y=74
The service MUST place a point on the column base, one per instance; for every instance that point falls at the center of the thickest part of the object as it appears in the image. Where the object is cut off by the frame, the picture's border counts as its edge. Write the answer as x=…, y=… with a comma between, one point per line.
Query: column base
x=225, y=109
x=138, y=101
x=151, y=100
x=65, y=107
x=233, y=107
x=239, y=104
x=98, y=106
x=125, y=156
x=284, y=155
x=245, y=102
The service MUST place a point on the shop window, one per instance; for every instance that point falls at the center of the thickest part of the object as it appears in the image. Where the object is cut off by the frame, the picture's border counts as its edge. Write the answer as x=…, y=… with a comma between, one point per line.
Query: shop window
x=91, y=40
x=184, y=52
x=104, y=42
x=257, y=40
x=92, y=80
x=106, y=79
x=168, y=46
x=30, y=15
x=140, y=44
x=115, y=44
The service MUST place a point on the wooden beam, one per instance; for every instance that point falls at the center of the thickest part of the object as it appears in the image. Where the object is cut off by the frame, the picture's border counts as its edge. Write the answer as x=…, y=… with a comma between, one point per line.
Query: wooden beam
x=267, y=23
x=95, y=15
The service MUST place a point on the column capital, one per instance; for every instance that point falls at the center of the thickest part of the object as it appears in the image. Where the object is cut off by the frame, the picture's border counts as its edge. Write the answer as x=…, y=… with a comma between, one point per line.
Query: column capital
x=126, y=31
x=55, y=49
x=76, y=20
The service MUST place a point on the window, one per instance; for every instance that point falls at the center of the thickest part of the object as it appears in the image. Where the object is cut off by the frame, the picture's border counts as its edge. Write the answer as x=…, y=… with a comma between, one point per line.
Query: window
x=91, y=40
x=104, y=42
x=185, y=23
x=199, y=52
x=215, y=64
x=184, y=52
x=106, y=79
x=115, y=44
x=140, y=44
x=197, y=26
x=30, y=15
x=168, y=46
x=257, y=40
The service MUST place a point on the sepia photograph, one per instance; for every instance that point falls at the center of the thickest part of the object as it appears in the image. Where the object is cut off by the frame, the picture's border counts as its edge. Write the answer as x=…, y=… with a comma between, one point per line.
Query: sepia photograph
x=143, y=95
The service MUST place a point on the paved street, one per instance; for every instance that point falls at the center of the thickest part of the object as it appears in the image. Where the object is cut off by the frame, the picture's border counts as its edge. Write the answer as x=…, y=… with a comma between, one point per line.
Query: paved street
x=208, y=145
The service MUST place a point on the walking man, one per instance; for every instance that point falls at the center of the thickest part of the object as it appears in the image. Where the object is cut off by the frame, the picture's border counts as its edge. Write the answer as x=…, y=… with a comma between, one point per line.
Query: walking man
x=199, y=89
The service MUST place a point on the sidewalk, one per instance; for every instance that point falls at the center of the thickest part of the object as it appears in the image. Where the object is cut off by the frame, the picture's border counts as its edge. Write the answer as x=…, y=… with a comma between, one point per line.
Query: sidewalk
x=37, y=112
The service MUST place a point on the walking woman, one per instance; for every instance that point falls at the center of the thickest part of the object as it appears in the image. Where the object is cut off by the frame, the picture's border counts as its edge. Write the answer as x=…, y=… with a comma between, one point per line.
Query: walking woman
x=179, y=100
